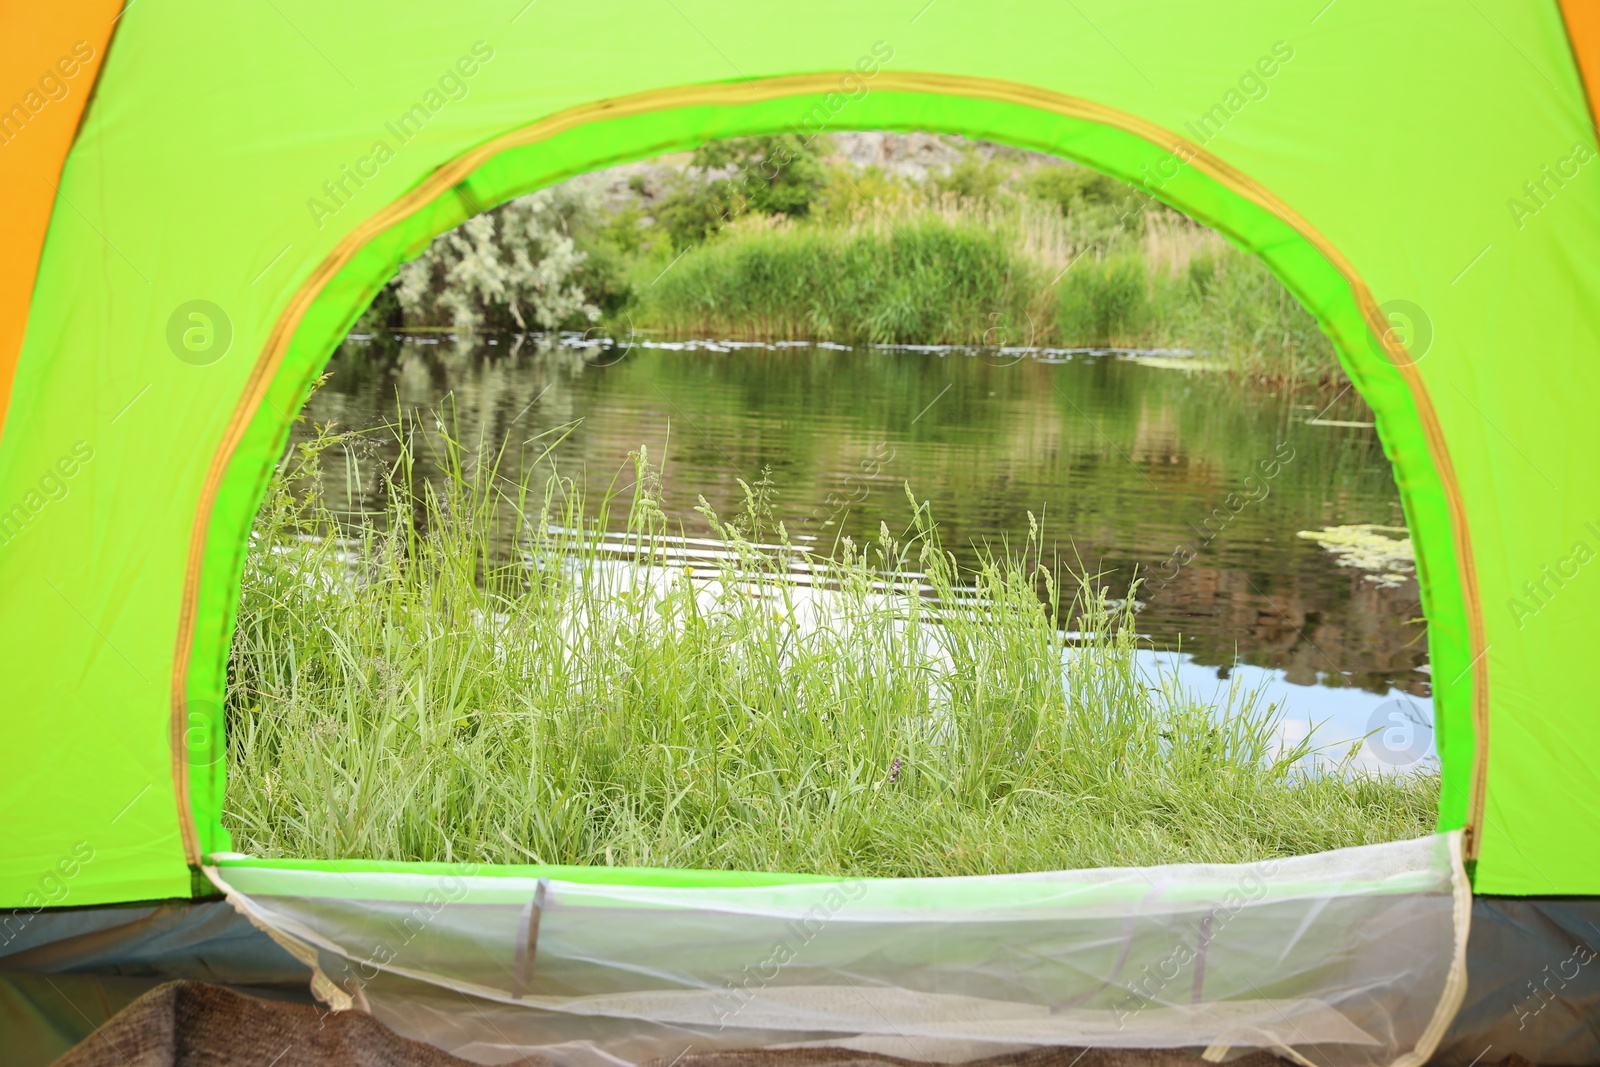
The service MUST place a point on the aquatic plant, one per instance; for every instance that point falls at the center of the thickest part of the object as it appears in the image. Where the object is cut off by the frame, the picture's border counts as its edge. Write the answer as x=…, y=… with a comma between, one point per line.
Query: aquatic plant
x=922, y=282
x=1238, y=309
x=1119, y=272
x=1384, y=552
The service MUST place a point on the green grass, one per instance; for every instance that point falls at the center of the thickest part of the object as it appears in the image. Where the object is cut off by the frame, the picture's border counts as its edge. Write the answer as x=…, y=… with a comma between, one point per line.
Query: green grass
x=975, y=273
x=1108, y=302
x=401, y=691
x=924, y=282
x=1240, y=310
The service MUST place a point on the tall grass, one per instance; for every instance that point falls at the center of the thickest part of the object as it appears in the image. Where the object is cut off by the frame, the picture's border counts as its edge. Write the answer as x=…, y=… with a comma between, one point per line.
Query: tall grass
x=948, y=270
x=1240, y=309
x=401, y=691
x=1147, y=292
x=927, y=281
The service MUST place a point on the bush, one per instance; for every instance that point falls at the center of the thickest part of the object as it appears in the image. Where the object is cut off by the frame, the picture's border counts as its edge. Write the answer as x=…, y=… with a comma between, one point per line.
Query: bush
x=1072, y=188
x=852, y=194
x=603, y=276
x=972, y=178
x=516, y=264
x=692, y=209
x=1101, y=208
x=778, y=175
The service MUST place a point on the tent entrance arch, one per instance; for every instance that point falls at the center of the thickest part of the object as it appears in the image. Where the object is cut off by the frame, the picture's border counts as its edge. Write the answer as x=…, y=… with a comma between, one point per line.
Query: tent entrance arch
x=591, y=137
x=1433, y=156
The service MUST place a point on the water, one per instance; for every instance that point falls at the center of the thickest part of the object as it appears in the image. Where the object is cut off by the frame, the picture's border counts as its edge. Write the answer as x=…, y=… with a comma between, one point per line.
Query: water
x=1132, y=465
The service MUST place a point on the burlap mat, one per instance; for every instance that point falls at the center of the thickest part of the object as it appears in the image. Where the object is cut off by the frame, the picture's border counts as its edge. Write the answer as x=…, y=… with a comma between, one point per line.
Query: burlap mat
x=191, y=1024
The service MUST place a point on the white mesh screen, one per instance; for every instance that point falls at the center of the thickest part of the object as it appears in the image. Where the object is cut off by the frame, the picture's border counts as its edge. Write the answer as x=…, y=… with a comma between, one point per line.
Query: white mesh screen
x=1345, y=958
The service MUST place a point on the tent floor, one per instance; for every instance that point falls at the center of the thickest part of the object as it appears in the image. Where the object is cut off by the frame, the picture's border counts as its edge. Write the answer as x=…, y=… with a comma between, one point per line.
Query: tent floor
x=1533, y=995
x=190, y=1024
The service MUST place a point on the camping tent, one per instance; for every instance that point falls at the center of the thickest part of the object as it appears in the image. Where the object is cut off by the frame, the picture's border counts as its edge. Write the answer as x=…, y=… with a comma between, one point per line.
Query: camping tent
x=201, y=199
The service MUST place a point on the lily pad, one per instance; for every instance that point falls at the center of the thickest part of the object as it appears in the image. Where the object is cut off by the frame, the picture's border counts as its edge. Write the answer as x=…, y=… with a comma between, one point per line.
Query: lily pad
x=1384, y=551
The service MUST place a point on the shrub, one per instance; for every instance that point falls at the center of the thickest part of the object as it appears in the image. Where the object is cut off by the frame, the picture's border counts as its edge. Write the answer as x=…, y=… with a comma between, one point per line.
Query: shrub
x=514, y=264
x=972, y=178
x=728, y=180
x=776, y=175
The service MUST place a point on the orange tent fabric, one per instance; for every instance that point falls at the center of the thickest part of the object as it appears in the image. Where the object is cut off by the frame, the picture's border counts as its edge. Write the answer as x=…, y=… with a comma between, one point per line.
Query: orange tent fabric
x=49, y=59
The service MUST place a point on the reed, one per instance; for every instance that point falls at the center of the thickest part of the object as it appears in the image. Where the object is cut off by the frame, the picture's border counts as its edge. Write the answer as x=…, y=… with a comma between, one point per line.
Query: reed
x=941, y=269
x=925, y=281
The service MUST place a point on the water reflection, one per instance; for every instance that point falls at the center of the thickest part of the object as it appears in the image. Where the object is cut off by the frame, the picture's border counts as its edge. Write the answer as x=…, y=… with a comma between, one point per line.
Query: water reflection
x=1133, y=466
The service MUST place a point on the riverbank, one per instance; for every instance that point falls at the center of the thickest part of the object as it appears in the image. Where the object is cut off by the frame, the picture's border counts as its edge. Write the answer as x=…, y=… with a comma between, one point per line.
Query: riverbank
x=990, y=247
x=401, y=691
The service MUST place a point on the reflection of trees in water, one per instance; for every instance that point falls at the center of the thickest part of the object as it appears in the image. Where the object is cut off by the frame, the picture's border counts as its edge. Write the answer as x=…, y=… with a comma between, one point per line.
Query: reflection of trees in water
x=1371, y=635
x=1119, y=462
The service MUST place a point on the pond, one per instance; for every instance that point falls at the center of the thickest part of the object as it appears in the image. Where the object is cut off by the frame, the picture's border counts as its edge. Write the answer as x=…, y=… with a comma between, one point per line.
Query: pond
x=1135, y=464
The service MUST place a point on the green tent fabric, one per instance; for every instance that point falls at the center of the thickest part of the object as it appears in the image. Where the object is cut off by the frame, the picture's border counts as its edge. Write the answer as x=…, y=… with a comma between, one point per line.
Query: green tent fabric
x=1423, y=176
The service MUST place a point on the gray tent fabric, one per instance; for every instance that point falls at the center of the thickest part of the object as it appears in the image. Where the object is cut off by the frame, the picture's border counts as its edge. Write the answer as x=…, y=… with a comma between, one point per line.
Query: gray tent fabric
x=207, y=941
x=1533, y=984
x=66, y=971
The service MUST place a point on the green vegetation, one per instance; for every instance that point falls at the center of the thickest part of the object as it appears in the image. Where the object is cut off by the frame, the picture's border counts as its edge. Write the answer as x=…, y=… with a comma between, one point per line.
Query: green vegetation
x=769, y=176
x=928, y=279
x=766, y=238
x=399, y=691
